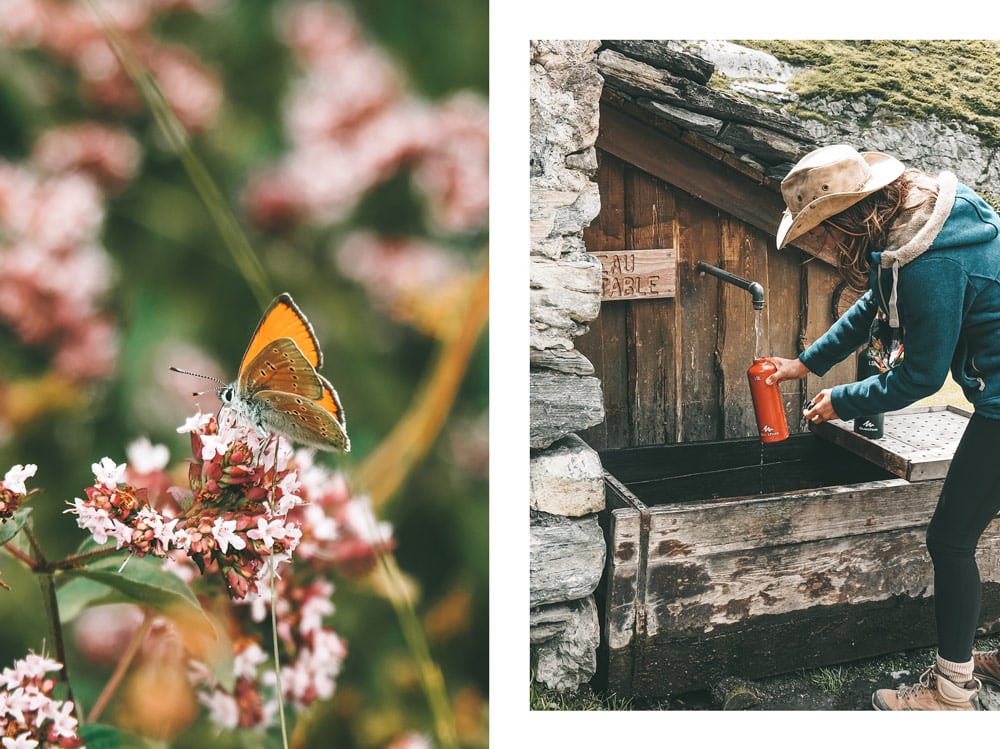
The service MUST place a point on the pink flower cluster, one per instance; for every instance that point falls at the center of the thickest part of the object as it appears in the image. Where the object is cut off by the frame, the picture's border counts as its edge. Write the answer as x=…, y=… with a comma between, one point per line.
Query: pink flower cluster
x=29, y=716
x=12, y=488
x=352, y=124
x=339, y=533
x=240, y=514
x=70, y=32
x=314, y=651
x=235, y=521
x=53, y=271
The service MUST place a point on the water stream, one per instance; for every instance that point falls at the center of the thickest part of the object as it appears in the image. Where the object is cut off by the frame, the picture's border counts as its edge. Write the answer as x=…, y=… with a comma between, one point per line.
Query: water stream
x=758, y=332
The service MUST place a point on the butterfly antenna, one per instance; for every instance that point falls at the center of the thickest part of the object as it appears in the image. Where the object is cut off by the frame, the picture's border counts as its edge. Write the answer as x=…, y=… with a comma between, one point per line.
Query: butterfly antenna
x=195, y=374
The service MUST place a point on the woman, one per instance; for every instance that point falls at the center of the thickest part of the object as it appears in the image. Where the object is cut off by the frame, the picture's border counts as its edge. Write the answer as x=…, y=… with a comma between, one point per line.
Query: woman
x=928, y=251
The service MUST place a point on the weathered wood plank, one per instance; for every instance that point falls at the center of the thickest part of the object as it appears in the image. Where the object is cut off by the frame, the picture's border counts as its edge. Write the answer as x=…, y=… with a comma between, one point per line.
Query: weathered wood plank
x=697, y=399
x=658, y=55
x=640, y=79
x=693, y=172
x=689, y=597
x=649, y=220
x=623, y=571
x=774, y=644
x=637, y=275
x=607, y=231
x=693, y=531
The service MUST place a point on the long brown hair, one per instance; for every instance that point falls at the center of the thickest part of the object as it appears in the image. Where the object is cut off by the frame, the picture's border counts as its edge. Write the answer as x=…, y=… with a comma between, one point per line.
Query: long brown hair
x=866, y=224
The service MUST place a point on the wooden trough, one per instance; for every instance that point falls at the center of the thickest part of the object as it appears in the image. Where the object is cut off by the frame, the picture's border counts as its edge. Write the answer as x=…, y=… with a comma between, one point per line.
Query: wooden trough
x=734, y=558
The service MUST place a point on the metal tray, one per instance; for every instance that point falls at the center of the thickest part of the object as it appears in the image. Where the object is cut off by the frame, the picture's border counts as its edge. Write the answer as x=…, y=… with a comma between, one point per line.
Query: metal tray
x=917, y=445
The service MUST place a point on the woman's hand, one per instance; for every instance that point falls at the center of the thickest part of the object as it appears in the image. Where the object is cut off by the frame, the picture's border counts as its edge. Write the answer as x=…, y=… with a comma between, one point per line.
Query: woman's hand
x=788, y=369
x=820, y=408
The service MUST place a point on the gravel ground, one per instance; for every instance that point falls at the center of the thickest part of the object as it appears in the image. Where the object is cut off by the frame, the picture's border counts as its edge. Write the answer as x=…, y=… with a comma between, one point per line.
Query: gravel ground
x=845, y=687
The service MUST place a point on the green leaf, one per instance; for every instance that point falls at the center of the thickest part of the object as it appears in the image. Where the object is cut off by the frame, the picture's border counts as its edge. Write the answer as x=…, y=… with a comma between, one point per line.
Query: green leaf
x=99, y=736
x=143, y=581
x=10, y=528
x=80, y=593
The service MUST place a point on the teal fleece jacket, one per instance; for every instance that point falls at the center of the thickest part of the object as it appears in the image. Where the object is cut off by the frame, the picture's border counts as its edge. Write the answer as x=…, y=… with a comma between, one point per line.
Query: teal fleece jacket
x=942, y=288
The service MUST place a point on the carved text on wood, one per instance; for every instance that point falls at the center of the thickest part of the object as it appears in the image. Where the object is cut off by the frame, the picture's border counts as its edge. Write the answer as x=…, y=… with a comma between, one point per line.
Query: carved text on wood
x=637, y=274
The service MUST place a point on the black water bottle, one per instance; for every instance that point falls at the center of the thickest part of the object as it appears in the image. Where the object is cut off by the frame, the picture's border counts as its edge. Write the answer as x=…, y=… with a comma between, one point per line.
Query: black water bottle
x=869, y=426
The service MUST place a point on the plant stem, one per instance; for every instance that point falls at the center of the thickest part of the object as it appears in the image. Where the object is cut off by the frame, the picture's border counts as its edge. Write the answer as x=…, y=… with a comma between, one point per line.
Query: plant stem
x=80, y=559
x=16, y=552
x=430, y=674
x=48, y=588
x=122, y=666
x=279, y=690
x=235, y=240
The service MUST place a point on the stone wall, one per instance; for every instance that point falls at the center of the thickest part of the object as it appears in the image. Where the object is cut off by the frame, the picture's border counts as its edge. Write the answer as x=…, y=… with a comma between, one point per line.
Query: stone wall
x=567, y=487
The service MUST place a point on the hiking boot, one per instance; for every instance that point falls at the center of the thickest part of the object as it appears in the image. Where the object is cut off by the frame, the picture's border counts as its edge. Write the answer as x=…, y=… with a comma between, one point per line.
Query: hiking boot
x=931, y=692
x=986, y=666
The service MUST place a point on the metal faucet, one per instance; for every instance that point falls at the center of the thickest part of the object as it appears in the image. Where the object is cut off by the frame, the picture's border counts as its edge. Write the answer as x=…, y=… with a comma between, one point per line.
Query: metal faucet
x=755, y=289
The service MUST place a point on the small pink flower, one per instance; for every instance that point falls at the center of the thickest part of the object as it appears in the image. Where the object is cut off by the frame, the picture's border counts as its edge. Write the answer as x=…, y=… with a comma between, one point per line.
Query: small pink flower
x=196, y=423
x=222, y=708
x=14, y=479
x=145, y=457
x=268, y=532
x=108, y=473
x=224, y=532
x=24, y=741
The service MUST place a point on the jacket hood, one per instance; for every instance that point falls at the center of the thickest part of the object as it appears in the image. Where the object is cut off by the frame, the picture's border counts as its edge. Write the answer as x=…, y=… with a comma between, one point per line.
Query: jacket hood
x=923, y=228
x=917, y=234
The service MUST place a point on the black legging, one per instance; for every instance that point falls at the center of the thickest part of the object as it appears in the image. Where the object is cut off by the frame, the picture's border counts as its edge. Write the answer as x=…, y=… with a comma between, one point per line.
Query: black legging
x=969, y=500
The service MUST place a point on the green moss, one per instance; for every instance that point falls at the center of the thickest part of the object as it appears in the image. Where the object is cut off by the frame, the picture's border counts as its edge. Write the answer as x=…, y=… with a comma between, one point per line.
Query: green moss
x=949, y=79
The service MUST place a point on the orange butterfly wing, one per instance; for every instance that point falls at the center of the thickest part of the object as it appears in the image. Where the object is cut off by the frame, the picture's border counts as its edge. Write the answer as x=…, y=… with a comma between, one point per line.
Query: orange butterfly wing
x=283, y=319
x=280, y=365
x=330, y=402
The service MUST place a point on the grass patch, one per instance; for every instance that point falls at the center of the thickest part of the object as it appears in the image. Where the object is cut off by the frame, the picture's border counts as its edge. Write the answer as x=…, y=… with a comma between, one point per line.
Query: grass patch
x=949, y=79
x=543, y=698
x=831, y=680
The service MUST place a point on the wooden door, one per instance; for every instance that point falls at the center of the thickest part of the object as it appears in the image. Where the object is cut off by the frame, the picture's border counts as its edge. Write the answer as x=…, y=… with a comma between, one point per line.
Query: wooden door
x=674, y=370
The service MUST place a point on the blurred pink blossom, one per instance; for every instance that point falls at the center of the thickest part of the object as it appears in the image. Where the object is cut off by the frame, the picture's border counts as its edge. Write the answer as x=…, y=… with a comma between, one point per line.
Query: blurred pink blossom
x=390, y=267
x=110, y=155
x=454, y=170
x=53, y=272
x=413, y=281
x=70, y=31
x=353, y=122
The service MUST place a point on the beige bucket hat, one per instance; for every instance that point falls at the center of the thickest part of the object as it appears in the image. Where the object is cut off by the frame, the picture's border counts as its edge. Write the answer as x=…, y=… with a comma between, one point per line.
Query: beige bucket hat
x=827, y=181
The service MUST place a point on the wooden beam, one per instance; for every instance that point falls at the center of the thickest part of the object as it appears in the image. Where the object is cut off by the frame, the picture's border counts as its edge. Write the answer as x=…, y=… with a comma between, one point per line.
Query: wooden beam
x=705, y=178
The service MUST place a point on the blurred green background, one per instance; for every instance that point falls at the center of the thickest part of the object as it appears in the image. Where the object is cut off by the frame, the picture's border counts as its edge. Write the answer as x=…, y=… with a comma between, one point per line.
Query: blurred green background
x=173, y=286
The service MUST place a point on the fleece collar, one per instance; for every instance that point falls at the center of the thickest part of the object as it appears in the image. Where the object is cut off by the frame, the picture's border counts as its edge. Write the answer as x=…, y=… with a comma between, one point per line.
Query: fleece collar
x=918, y=236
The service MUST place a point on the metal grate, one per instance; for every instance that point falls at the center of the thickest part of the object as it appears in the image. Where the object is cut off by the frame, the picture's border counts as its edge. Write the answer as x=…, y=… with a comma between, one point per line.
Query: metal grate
x=917, y=445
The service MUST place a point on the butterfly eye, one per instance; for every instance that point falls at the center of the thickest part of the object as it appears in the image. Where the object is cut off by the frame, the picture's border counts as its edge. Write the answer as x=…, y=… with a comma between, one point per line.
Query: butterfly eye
x=226, y=394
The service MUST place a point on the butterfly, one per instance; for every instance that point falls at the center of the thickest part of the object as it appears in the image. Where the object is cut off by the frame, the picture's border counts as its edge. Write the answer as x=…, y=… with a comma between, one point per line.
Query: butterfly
x=278, y=389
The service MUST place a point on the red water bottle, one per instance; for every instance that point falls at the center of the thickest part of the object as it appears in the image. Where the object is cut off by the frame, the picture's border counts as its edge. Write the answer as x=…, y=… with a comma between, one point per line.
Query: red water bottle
x=767, y=403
